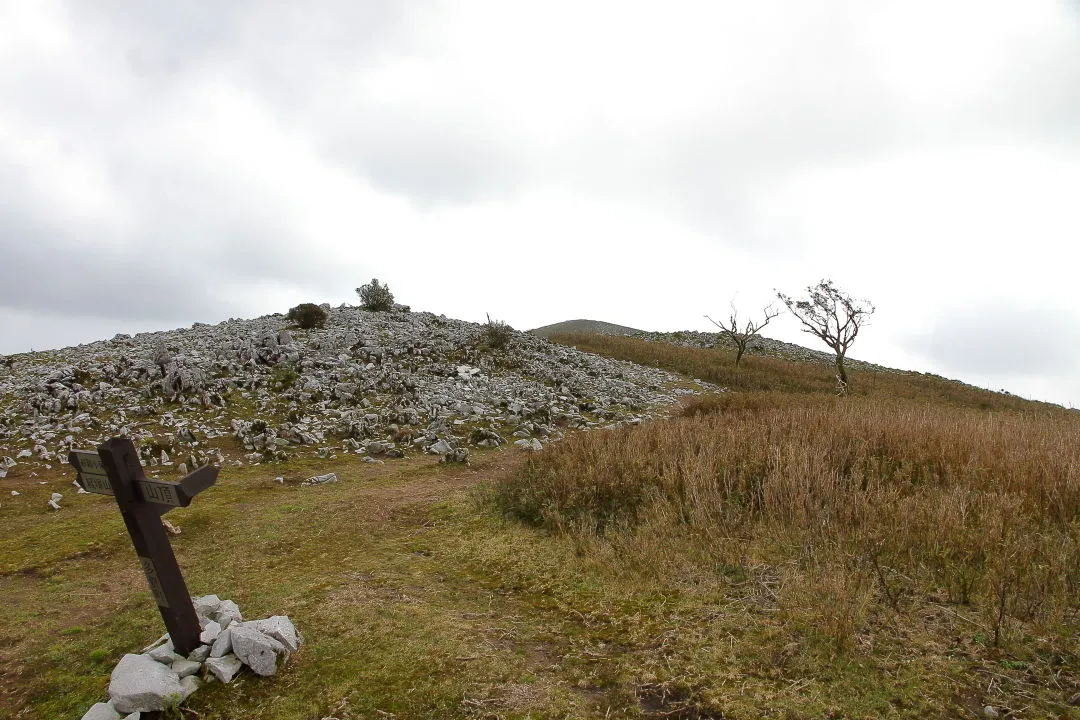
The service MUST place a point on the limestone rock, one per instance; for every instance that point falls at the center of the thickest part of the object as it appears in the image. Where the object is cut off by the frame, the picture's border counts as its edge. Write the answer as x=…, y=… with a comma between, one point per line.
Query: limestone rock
x=441, y=447
x=101, y=711
x=223, y=644
x=210, y=632
x=228, y=612
x=224, y=668
x=256, y=650
x=529, y=444
x=188, y=685
x=165, y=654
x=140, y=683
x=183, y=667
x=200, y=653
x=321, y=479
x=207, y=605
x=281, y=628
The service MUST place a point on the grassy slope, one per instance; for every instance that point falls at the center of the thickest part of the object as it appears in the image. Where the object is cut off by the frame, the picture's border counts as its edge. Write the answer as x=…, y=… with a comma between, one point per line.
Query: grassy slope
x=595, y=327
x=419, y=599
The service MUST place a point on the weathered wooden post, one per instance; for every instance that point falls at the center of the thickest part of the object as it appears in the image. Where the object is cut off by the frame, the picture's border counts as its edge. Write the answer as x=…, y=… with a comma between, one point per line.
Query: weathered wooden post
x=115, y=470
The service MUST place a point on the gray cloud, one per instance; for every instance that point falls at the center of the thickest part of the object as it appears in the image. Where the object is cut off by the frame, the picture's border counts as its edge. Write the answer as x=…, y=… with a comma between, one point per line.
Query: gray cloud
x=433, y=161
x=1001, y=340
x=200, y=160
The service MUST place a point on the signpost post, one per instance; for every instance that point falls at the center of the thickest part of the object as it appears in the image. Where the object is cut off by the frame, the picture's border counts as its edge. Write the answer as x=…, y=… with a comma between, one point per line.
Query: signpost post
x=115, y=470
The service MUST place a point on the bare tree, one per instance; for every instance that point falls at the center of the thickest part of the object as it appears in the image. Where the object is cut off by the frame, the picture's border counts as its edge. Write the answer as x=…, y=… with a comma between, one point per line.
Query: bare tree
x=750, y=330
x=832, y=315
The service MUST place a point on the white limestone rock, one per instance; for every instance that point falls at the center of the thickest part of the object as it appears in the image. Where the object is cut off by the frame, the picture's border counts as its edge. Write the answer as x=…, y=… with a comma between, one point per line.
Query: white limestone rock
x=228, y=612
x=160, y=641
x=101, y=711
x=223, y=645
x=206, y=605
x=183, y=667
x=281, y=628
x=529, y=444
x=224, y=668
x=165, y=654
x=210, y=632
x=321, y=479
x=140, y=683
x=440, y=447
x=188, y=685
x=200, y=653
x=258, y=651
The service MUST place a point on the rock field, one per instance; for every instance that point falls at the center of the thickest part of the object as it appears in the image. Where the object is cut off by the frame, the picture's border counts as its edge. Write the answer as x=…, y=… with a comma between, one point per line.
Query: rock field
x=378, y=384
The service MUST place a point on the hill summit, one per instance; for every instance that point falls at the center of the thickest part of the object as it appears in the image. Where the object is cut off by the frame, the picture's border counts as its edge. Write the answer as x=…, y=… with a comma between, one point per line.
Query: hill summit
x=596, y=327
x=378, y=384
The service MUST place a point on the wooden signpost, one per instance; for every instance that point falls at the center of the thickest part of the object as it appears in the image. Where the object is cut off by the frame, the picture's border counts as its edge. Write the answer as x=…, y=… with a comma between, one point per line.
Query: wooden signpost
x=115, y=470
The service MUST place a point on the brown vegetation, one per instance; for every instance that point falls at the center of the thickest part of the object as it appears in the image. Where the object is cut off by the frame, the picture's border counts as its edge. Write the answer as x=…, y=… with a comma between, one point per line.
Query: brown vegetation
x=772, y=374
x=865, y=503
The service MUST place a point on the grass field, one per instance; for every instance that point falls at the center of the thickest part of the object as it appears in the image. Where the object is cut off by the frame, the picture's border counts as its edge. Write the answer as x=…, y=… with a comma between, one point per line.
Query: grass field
x=911, y=550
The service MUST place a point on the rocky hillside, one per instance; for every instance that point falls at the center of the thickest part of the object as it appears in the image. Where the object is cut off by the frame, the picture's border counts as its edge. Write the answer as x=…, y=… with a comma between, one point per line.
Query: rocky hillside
x=381, y=385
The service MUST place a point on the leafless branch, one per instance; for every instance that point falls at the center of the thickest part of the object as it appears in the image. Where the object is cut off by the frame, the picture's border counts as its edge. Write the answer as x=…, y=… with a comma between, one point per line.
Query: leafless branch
x=741, y=336
x=833, y=316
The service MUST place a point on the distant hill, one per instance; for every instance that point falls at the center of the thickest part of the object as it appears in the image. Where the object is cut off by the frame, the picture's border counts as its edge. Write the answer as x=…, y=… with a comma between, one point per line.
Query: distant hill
x=597, y=327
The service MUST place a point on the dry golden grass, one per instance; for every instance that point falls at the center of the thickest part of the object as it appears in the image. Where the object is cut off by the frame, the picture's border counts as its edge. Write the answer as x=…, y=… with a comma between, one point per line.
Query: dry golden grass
x=760, y=373
x=864, y=504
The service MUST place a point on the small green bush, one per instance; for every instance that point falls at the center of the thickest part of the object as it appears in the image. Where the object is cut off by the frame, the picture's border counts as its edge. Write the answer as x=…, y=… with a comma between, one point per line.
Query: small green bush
x=308, y=315
x=497, y=334
x=284, y=376
x=375, y=296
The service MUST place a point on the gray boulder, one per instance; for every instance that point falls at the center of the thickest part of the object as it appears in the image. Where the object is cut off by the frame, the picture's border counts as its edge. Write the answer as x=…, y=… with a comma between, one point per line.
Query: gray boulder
x=140, y=683
x=256, y=650
x=223, y=644
x=188, y=685
x=200, y=653
x=457, y=455
x=321, y=479
x=210, y=632
x=441, y=447
x=165, y=654
x=207, y=605
x=224, y=668
x=281, y=629
x=101, y=711
x=228, y=612
x=183, y=668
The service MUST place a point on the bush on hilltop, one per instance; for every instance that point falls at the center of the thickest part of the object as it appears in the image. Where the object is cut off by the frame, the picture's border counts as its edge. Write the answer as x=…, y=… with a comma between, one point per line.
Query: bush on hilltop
x=375, y=296
x=308, y=315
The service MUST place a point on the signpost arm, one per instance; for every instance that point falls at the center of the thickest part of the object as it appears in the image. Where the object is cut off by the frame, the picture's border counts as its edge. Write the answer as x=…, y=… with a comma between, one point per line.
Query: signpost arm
x=143, y=522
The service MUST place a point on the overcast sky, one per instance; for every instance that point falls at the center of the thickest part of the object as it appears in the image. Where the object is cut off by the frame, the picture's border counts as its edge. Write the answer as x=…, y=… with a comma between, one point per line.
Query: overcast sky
x=640, y=163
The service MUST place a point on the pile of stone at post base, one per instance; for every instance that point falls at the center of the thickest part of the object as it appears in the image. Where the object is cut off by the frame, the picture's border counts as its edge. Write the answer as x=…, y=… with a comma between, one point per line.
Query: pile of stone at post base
x=161, y=678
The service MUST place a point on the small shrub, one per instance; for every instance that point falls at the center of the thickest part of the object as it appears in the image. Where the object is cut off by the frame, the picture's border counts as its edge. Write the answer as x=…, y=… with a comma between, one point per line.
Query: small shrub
x=308, y=315
x=497, y=334
x=284, y=376
x=375, y=296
